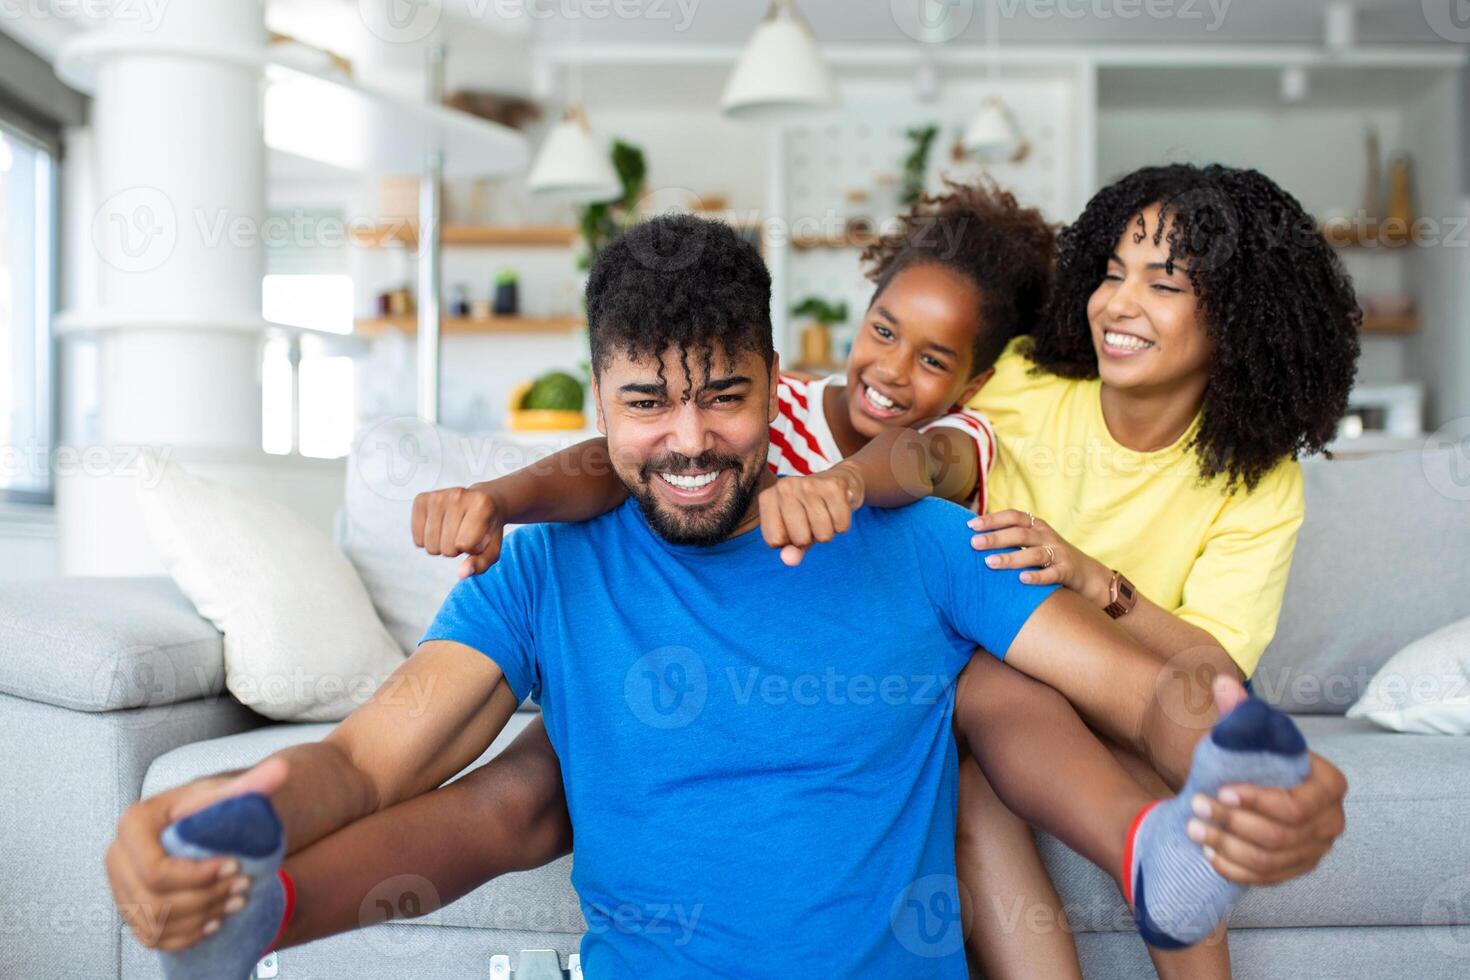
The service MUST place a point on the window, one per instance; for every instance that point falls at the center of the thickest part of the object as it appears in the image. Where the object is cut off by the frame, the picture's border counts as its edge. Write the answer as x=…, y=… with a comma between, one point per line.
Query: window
x=27, y=297
x=307, y=384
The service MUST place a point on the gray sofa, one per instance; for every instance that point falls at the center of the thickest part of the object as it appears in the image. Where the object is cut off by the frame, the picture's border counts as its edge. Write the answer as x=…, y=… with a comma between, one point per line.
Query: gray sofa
x=113, y=688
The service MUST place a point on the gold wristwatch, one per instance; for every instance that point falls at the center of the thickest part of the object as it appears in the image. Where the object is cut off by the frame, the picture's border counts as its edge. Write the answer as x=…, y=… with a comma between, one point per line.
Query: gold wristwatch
x=1121, y=595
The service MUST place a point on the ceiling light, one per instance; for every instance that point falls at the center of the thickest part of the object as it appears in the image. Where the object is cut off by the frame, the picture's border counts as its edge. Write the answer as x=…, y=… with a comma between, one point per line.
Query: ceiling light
x=779, y=75
x=572, y=167
x=992, y=132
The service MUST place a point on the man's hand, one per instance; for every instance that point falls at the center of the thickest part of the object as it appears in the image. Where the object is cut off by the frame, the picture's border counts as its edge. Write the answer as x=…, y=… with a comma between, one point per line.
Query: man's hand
x=460, y=521
x=171, y=903
x=1258, y=835
x=801, y=510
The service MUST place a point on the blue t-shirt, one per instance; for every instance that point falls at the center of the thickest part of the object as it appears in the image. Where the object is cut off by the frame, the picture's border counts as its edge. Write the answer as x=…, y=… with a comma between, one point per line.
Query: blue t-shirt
x=757, y=759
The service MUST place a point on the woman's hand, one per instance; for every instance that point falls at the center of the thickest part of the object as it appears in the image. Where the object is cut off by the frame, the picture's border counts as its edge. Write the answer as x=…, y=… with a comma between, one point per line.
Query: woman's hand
x=1049, y=558
x=802, y=510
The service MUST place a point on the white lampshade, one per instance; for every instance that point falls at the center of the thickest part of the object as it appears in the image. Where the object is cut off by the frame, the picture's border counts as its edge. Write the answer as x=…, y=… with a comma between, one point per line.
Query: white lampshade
x=992, y=132
x=779, y=75
x=572, y=167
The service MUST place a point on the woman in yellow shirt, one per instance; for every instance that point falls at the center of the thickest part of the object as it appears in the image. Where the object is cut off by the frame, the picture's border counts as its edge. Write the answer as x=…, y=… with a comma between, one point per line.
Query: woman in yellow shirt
x=1200, y=336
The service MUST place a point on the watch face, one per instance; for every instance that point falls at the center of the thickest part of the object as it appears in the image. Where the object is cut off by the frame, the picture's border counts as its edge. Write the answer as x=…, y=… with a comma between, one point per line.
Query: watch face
x=1125, y=589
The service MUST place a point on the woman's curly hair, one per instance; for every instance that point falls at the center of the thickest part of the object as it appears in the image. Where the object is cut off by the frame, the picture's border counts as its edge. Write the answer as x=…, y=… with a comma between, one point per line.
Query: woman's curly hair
x=979, y=231
x=1272, y=295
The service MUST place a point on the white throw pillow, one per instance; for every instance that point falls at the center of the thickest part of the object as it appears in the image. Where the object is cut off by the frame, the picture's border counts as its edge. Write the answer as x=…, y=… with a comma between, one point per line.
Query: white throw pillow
x=1425, y=687
x=301, y=639
x=393, y=460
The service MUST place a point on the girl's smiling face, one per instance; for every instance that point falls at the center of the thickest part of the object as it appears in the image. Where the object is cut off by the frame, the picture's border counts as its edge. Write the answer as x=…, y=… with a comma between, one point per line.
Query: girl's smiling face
x=911, y=358
x=1145, y=319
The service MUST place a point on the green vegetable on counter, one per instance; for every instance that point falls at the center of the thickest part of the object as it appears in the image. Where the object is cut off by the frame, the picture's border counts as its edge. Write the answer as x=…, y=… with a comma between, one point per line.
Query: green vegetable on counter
x=557, y=391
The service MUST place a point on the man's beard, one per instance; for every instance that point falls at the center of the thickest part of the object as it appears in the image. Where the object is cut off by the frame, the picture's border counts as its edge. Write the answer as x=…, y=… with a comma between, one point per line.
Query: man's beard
x=715, y=521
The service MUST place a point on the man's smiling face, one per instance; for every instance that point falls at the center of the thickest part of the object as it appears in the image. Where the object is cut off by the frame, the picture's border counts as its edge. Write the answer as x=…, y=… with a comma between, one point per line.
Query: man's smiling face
x=688, y=434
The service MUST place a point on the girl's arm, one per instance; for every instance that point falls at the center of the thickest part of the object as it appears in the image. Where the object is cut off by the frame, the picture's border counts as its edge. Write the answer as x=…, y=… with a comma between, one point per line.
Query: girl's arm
x=896, y=468
x=574, y=484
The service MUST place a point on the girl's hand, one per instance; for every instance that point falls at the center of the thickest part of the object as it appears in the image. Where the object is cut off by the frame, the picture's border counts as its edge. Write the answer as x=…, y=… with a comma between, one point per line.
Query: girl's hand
x=801, y=510
x=1049, y=559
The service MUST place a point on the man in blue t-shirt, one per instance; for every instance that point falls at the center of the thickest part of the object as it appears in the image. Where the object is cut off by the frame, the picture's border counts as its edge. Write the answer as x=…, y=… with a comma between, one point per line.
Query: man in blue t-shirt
x=758, y=760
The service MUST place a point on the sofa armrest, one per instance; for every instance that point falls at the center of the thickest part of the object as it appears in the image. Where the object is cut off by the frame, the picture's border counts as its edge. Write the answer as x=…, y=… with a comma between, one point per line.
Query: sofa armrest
x=106, y=644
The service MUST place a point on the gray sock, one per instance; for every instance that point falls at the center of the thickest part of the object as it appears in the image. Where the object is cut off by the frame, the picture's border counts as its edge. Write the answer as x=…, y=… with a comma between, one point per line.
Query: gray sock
x=1178, y=898
x=246, y=828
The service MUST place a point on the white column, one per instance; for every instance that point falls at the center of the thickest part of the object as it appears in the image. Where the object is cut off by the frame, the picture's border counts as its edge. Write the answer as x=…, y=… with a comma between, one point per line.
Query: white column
x=180, y=191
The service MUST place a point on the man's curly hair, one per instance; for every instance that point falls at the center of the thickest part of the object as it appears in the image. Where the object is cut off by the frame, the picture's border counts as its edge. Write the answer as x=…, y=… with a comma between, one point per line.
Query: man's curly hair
x=1272, y=295
x=979, y=231
x=680, y=282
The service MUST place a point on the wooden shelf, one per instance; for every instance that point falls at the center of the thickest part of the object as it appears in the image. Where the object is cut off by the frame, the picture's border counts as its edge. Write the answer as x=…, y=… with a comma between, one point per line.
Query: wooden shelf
x=405, y=234
x=854, y=240
x=467, y=325
x=1385, y=323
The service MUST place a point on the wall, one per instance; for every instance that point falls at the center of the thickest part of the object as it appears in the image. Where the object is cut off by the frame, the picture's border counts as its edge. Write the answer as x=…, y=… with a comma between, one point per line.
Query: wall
x=1440, y=353
x=1316, y=153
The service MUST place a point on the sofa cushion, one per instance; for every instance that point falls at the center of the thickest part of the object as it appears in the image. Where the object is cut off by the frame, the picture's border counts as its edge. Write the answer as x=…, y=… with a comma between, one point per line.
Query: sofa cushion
x=1380, y=561
x=103, y=644
x=393, y=461
x=1402, y=860
x=1425, y=687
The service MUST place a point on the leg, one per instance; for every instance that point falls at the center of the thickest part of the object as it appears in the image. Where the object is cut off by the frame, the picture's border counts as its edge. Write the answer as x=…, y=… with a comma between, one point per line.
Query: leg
x=508, y=815
x=1006, y=883
x=1083, y=796
x=1210, y=958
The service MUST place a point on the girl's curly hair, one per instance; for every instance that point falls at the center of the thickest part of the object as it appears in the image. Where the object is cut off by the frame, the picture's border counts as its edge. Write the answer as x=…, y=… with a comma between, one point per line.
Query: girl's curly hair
x=979, y=231
x=1272, y=296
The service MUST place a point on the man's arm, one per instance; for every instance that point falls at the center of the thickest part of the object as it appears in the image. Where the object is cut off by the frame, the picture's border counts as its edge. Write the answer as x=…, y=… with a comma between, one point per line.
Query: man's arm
x=573, y=484
x=435, y=715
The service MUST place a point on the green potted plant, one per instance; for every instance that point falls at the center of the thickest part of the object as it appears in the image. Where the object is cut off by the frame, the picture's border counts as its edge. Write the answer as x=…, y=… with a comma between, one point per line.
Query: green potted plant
x=816, y=339
x=507, y=293
x=600, y=223
x=916, y=164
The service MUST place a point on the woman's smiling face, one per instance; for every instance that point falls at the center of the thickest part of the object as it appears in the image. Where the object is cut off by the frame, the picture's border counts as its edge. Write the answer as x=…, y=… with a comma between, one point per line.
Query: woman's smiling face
x=1145, y=321
x=911, y=358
